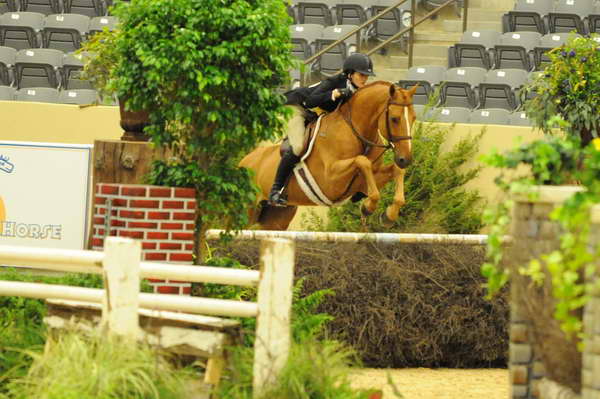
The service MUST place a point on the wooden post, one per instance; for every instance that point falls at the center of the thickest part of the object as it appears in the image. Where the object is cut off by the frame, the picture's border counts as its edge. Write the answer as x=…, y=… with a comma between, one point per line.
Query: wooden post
x=272, y=344
x=121, y=286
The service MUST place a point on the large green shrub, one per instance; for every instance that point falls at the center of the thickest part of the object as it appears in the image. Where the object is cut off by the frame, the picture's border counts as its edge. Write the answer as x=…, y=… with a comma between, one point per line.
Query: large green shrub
x=206, y=71
x=436, y=198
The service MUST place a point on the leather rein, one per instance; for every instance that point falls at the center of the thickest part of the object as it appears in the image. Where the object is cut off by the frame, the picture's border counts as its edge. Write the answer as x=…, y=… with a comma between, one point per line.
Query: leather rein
x=390, y=138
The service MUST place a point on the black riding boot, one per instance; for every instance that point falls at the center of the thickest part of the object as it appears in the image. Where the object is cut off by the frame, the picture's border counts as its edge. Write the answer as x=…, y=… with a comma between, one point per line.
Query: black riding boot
x=286, y=165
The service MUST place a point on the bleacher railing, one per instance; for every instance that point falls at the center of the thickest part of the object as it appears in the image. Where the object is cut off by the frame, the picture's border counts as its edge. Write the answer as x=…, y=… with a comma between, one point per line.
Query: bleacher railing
x=410, y=29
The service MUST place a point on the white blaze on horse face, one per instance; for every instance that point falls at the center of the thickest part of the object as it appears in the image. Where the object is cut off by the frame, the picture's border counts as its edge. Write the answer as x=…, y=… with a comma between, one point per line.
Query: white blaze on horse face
x=408, y=131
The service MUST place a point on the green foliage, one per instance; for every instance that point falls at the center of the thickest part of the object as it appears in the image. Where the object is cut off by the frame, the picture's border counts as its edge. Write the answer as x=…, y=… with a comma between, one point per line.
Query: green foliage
x=551, y=161
x=77, y=367
x=206, y=72
x=99, y=56
x=569, y=88
x=436, y=198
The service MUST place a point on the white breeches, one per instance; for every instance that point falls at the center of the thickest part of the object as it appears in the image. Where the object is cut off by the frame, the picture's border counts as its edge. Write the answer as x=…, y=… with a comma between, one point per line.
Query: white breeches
x=295, y=130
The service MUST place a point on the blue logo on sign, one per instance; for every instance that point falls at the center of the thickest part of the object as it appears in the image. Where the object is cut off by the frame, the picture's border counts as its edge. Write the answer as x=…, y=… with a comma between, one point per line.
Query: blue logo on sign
x=6, y=165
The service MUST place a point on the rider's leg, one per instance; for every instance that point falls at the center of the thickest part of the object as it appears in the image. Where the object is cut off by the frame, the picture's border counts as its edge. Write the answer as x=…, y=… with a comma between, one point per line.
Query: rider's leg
x=295, y=133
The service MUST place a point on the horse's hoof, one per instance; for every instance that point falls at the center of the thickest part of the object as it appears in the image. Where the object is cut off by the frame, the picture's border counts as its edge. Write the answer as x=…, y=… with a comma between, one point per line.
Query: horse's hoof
x=385, y=221
x=364, y=211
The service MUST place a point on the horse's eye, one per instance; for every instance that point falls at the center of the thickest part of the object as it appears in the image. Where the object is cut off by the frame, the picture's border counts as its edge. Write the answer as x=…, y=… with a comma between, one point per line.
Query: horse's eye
x=395, y=120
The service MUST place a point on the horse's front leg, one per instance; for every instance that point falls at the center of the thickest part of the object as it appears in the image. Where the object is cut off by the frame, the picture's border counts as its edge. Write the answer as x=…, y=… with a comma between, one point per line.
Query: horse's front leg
x=393, y=209
x=347, y=167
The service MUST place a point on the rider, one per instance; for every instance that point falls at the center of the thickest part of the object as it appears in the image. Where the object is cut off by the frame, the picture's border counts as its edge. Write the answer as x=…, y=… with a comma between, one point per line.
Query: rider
x=325, y=95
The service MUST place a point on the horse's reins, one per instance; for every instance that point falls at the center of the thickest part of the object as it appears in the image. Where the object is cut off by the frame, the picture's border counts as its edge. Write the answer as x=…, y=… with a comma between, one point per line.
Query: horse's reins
x=368, y=144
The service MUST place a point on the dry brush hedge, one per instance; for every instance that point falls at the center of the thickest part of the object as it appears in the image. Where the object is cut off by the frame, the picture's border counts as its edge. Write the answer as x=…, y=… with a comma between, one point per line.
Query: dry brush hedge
x=403, y=305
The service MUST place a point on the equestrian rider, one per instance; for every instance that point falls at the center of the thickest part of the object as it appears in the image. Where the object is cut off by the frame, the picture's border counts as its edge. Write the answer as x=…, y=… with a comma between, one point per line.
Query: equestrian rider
x=326, y=95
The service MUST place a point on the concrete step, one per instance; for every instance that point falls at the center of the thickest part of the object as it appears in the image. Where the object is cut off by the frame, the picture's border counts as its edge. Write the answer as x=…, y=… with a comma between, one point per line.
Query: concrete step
x=492, y=4
x=390, y=74
x=481, y=14
x=437, y=37
x=456, y=26
x=402, y=61
x=430, y=50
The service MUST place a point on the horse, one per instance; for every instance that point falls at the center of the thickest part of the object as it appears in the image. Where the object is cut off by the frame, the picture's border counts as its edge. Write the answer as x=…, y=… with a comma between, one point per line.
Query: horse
x=347, y=156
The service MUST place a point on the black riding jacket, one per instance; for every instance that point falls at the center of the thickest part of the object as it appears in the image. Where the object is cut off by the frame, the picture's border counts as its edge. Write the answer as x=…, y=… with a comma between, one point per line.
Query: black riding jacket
x=318, y=95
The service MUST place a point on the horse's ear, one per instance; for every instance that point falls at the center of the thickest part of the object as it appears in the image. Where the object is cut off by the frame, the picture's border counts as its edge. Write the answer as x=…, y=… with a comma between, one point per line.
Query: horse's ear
x=413, y=90
x=392, y=90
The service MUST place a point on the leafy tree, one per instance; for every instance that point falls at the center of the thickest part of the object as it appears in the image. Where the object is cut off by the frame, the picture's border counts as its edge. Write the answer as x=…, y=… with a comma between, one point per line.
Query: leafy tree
x=206, y=71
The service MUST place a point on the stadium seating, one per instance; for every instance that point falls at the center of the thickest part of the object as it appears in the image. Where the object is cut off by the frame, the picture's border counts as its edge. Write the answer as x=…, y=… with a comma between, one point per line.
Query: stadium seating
x=458, y=86
x=79, y=97
x=519, y=119
x=490, y=116
x=528, y=15
x=427, y=77
x=39, y=94
x=498, y=88
x=45, y=7
x=38, y=68
x=97, y=24
x=21, y=30
x=71, y=70
x=515, y=50
x=473, y=49
x=7, y=61
x=65, y=32
x=7, y=93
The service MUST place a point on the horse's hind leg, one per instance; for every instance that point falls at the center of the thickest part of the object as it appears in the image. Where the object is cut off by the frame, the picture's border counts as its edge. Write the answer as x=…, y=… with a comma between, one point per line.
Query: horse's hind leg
x=276, y=217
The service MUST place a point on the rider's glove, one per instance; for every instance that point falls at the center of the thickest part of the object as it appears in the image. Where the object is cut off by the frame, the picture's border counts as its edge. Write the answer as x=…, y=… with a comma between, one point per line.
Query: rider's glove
x=345, y=93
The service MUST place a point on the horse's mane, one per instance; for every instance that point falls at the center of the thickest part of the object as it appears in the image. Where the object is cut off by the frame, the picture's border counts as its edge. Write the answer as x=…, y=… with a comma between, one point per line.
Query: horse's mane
x=367, y=87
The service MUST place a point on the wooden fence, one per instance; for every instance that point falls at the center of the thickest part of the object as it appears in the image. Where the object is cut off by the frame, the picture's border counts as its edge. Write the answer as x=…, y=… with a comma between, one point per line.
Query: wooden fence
x=122, y=303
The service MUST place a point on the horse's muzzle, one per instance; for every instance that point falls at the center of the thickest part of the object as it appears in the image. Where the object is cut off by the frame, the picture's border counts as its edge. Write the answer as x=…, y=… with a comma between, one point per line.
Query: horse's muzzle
x=402, y=162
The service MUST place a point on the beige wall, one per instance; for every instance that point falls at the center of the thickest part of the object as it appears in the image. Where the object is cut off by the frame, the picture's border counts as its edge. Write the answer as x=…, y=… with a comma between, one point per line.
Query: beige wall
x=57, y=123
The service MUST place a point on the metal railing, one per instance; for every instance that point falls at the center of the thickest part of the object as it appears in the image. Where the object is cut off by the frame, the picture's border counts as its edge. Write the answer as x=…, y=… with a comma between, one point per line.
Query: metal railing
x=410, y=29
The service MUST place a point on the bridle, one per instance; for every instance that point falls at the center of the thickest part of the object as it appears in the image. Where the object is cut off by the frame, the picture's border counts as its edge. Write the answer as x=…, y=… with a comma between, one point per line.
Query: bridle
x=388, y=142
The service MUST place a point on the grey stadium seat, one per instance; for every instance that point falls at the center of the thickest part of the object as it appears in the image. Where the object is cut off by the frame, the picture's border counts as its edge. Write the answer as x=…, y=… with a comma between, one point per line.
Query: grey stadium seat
x=337, y=31
x=300, y=48
x=491, y=116
x=451, y=114
x=569, y=15
x=91, y=8
x=71, y=70
x=332, y=60
x=7, y=93
x=98, y=24
x=547, y=43
x=458, y=87
x=45, y=7
x=8, y=6
x=473, y=49
x=38, y=67
x=21, y=30
x=350, y=12
x=317, y=12
x=79, y=96
x=65, y=32
x=519, y=118
x=428, y=77
x=516, y=50
x=310, y=32
x=8, y=56
x=392, y=22
x=39, y=94
x=498, y=88
x=528, y=15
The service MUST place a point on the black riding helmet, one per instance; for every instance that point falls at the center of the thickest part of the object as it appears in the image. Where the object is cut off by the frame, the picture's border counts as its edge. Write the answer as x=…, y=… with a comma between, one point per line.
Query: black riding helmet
x=358, y=62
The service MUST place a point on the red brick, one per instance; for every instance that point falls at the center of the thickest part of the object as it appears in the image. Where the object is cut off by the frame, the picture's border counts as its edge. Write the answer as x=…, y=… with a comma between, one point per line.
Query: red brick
x=137, y=234
x=155, y=280
x=157, y=235
x=186, y=290
x=170, y=245
x=185, y=193
x=173, y=204
x=158, y=215
x=97, y=242
x=160, y=192
x=134, y=191
x=148, y=245
x=106, y=189
x=171, y=226
x=101, y=232
x=178, y=282
x=113, y=233
x=99, y=200
x=189, y=247
x=144, y=204
x=124, y=233
x=98, y=220
x=100, y=211
x=117, y=223
x=183, y=216
x=155, y=256
x=180, y=257
x=167, y=289
x=118, y=202
x=142, y=225
x=191, y=205
x=190, y=226
x=126, y=213
x=182, y=236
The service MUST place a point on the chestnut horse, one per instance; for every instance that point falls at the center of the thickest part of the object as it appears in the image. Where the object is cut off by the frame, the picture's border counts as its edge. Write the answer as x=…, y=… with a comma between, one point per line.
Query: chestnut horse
x=347, y=155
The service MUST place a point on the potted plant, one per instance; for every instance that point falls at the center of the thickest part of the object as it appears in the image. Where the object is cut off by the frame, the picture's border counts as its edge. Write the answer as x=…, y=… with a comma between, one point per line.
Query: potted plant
x=100, y=61
x=551, y=260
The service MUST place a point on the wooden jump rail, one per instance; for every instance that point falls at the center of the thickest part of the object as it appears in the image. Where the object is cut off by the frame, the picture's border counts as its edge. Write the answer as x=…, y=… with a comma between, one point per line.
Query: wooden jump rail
x=122, y=304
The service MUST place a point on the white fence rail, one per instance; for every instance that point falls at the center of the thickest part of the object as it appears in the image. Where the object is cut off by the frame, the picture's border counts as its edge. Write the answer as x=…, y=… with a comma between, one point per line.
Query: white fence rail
x=122, y=269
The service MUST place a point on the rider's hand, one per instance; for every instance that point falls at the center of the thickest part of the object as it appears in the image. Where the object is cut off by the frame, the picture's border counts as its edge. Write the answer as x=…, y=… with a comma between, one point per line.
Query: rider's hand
x=336, y=94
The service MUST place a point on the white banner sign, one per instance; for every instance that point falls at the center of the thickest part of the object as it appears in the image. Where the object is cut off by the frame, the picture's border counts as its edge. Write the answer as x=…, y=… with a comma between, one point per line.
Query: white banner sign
x=44, y=194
